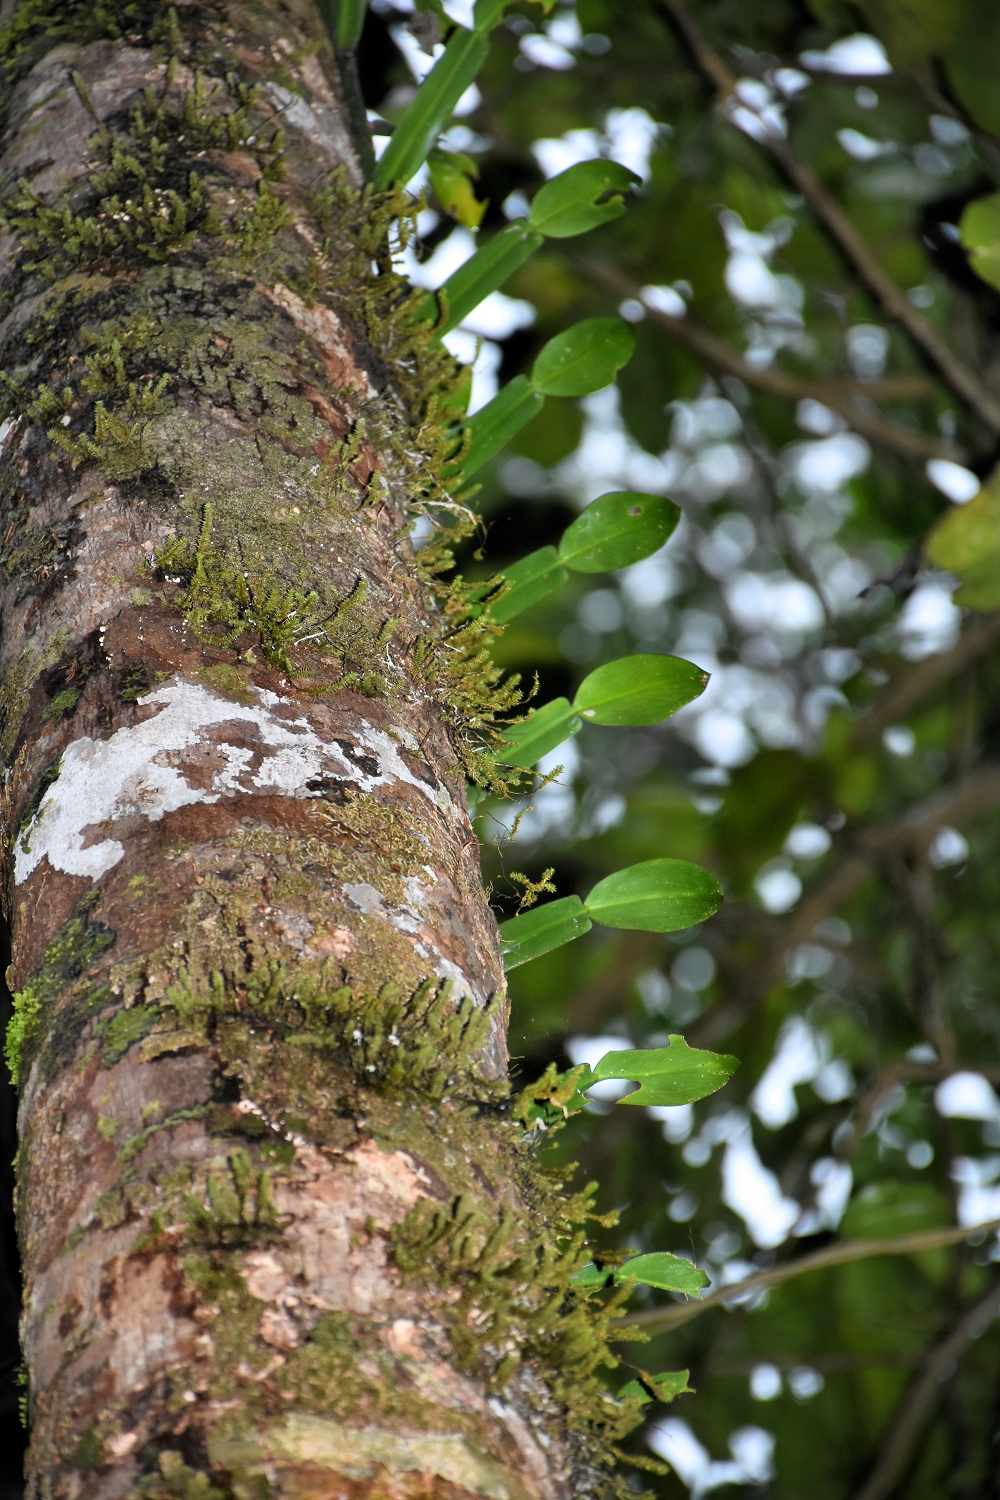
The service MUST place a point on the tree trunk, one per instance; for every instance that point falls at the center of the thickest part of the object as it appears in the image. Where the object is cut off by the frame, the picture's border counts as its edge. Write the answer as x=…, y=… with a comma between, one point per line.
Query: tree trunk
x=280, y=1233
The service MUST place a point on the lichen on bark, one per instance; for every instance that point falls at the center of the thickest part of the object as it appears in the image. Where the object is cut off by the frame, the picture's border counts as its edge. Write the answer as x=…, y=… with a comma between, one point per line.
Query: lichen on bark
x=281, y=1229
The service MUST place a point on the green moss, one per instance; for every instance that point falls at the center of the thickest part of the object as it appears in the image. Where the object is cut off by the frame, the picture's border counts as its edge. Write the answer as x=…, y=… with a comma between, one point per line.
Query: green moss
x=133, y=208
x=88, y=1453
x=176, y=1481
x=16, y=684
x=123, y=1029
x=37, y=25
x=230, y=681
x=75, y=948
x=61, y=706
x=239, y=1207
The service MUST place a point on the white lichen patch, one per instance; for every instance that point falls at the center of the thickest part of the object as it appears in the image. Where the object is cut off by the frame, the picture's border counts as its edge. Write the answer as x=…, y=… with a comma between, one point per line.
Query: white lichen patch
x=179, y=757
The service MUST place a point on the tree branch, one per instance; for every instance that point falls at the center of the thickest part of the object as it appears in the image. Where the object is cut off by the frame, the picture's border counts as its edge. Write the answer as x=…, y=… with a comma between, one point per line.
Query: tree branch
x=923, y=1395
x=963, y=381
x=902, y=694
x=844, y=397
x=963, y=803
x=658, y=1320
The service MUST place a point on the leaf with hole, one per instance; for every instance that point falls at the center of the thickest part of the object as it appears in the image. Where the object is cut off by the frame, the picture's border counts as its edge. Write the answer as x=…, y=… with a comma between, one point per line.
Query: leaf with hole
x=485, y=272
x=616, y=531
x=432, y=107
x=658, y=895
x=663, y=1387
x=452, y=176
x=536, y=932
x=547, y=728
x=677, y=1074
x=494, y=424
x=641, y=689
x=583, y=358
x=529, y=581
x=585, y=195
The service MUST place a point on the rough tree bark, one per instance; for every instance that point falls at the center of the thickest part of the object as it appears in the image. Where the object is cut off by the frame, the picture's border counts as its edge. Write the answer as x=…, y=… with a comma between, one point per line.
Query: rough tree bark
x=279, y=1232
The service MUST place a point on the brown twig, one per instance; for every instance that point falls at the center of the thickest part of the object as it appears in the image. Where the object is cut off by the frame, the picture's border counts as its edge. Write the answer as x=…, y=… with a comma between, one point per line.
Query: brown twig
x=659, y=1320
x=828, y=1364
x=923, y=1395
x=963, y=381
x=843, y=397
x=901, y=1070
x=964, y=802
x=902, y=694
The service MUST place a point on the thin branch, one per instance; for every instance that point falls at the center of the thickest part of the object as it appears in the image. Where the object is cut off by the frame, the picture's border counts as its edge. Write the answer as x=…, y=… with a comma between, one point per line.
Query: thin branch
x=843, y=397
x=963, y=381
x=827, y=1364
x=902, y=694
x=966, y=801
x=923, y=1396
x=658, y=1320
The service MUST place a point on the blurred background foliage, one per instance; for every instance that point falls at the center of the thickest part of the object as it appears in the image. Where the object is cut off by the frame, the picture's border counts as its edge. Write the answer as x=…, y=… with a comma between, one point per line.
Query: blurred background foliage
x=817, y=385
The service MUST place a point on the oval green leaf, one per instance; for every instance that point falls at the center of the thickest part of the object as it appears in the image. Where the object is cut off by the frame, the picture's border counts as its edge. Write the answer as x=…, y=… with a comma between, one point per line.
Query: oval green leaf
x=529, y=581
x=677, y=1074
x=658, y=895
x=547, y=728
x=584, y=358
x=536, y=932
x=669, y=1273
x=494, y=424
x=580, y=198
x=616, y=531
x=642, y=689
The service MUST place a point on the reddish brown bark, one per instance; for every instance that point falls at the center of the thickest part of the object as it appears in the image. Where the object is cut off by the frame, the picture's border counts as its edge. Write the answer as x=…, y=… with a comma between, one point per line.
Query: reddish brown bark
x=236, y=906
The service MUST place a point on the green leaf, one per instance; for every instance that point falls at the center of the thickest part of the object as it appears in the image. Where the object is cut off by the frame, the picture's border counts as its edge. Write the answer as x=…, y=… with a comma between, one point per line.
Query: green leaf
x=966, y=541
x=584, y=358
x=979, y=227
x=658, y=895
x=452, y=174
x=495, y=424
x=489, y=13
x=591, y=1276
x=616, y=531
x=432, y=107
x=580, y=198
x=677, y=1074
x=536, y=932
x=547, y=728
x=669, y=1273
x=487, y=270
x=642, y=689
x=530, y=580
x=551, y=1098
x=657, y=1387
x=350, y=22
